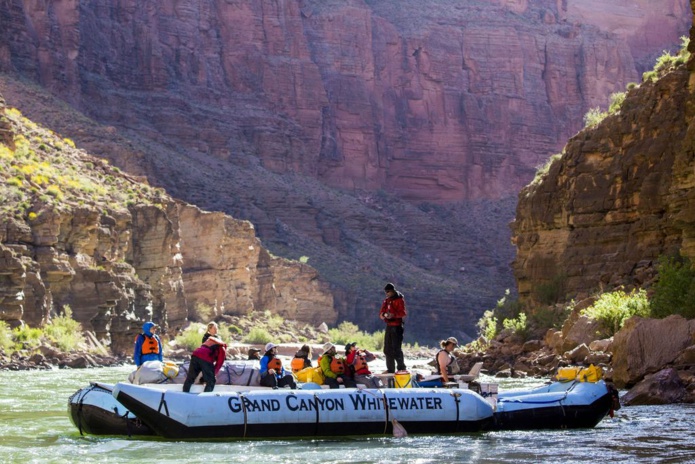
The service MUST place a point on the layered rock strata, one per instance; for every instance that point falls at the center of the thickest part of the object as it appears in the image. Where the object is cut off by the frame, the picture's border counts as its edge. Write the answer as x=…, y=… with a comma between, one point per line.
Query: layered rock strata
x=621, y=196
x=118, y=265
x=422, y=110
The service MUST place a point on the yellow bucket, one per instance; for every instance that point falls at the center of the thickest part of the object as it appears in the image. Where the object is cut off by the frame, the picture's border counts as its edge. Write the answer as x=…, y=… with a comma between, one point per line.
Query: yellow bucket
x=402, y=379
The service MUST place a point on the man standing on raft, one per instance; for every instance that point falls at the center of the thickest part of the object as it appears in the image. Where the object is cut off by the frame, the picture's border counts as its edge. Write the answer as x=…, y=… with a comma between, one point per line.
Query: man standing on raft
x=393, y=313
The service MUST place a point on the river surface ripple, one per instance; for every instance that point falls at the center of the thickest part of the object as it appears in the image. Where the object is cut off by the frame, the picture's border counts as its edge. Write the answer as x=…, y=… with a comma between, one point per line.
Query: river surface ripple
x=35, y=428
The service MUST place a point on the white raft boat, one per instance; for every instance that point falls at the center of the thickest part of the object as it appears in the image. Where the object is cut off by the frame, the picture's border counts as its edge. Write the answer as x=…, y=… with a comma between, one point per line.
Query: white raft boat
x=560, y=405
x=304, y=413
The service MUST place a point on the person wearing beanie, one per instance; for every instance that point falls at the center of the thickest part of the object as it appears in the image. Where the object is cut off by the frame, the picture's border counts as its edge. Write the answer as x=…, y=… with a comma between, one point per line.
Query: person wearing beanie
x=393, y=313
x=148, y=345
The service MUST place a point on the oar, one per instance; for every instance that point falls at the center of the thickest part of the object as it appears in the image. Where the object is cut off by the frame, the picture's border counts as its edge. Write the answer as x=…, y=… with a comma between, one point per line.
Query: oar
x=398, y=430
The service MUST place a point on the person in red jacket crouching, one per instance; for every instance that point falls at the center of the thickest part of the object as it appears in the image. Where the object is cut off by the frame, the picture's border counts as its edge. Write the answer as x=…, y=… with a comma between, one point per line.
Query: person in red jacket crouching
x=208, y=359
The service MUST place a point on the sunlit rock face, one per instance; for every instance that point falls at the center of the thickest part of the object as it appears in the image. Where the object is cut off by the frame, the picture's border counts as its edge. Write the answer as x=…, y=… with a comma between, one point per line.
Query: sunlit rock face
x=432, y=102
x=621, y=196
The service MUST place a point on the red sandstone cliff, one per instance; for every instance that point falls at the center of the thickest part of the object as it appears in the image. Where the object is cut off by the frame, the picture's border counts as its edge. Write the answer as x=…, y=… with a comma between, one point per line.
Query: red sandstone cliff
x=621, y=195
x=425, y=112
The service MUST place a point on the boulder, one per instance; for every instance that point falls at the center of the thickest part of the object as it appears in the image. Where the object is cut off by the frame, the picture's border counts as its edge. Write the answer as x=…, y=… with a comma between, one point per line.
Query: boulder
x=531, y=345
x=553, y=338
x=664, y=387
x=644, y=346
x=584, y=331
x=578, y=354
x=597, y=357
x=605, y=344
x=686, y=358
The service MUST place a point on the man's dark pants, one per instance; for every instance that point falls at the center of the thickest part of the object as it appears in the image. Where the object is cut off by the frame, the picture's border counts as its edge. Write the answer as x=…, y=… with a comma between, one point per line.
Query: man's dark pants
x=393, y=339
x=196, y=367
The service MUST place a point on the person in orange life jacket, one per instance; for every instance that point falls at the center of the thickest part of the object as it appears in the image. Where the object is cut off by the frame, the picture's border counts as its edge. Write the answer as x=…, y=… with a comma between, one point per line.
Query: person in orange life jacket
x=357, y=360
x=445, y=362
x=208, y=359
x=393, y=314
x=330, y=365
x=272, y=373
x=148, y=345
x=302, y=359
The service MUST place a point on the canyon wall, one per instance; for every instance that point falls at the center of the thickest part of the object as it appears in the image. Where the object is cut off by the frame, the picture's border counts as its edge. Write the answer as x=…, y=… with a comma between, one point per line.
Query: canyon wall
x=117, y=265
x=385, y=141
x=621, y=196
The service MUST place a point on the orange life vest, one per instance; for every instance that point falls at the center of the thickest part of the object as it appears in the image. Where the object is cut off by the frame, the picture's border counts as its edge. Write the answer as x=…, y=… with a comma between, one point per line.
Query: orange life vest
x=150, y=345
x=337, y=366
x=360, y=362
x=297, y=364
x=276, y=364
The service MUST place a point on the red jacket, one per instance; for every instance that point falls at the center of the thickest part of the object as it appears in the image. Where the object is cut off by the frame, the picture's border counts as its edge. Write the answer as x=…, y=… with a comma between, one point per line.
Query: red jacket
x=395, y=306
x=212, y=354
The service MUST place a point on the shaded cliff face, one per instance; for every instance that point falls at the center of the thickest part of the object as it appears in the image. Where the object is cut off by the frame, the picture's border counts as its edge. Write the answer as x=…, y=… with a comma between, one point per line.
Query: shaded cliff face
x=622, y=195
x=430, y=114
x=77, y=232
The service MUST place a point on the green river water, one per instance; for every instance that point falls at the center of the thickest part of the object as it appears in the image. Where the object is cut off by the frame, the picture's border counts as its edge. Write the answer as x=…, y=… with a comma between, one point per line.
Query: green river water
x=35, y=428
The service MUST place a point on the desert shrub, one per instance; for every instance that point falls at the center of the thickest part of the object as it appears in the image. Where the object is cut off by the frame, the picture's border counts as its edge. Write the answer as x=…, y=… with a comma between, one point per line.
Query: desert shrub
x=203, y=312
x=545, y=168
x=666, y=62
x=191, y=337
x=258, y=335
x=518, y=325
x=275, y=321
x=614, y=308
x=487, y=325
x=594, y=116
x=26, y=337
x=674, y=291
x=64, y=331
x=547, y=317
x=551, y=292
x=6, y=341
x=349, y=332
x=616, y=101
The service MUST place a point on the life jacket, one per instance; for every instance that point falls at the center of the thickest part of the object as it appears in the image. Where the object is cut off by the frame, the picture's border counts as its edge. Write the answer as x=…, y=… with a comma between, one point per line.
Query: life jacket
x=297, y=364
x=449, y=366
x=337, y=366
x=150, y=345
x=276, y=364
x=360, y=362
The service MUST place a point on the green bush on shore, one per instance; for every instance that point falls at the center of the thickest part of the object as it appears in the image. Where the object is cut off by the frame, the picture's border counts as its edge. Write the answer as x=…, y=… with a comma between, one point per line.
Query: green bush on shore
x=258, y=335
x=614, y=308
x=347, y=332
x=62, y=332
x=674, y=292
x=6, y=342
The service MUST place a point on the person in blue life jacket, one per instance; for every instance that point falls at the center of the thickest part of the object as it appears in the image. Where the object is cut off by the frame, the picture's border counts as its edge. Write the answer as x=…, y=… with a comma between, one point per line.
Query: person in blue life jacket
x=273, y=374
x=148, y=345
